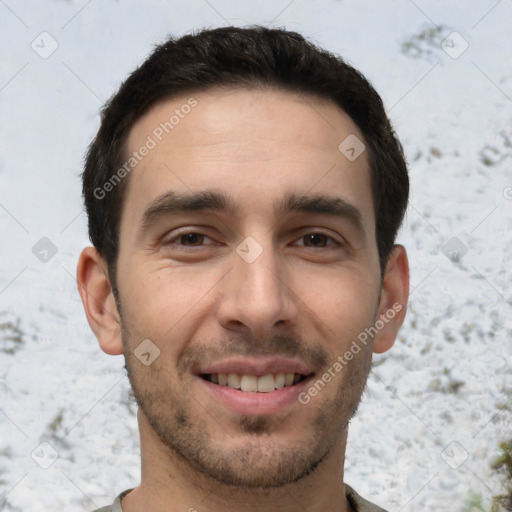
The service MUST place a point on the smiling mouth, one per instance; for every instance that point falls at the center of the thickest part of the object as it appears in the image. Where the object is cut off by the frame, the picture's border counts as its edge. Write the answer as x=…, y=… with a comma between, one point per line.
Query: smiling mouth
x=252, y=383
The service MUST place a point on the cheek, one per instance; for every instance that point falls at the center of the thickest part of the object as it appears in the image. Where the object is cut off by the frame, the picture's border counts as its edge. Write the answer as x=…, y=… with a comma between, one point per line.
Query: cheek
x=346, y=304
x=159, y=302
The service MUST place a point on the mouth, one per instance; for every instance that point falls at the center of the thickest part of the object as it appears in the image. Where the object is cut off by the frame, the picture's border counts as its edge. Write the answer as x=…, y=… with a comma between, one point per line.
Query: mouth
x=249, y=394
x=252, y=386
x=254, y=383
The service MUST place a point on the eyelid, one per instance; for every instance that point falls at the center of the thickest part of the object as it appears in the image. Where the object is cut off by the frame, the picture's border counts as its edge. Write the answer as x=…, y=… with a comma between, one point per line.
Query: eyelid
x=177, y=235
x=309, y=230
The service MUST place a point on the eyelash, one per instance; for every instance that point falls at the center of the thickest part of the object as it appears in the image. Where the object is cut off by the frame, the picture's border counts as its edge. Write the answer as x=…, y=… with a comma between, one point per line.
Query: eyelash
x=176, y=237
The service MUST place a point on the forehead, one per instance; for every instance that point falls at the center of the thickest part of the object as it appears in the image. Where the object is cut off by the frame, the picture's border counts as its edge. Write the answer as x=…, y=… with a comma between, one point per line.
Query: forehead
x=257, y=144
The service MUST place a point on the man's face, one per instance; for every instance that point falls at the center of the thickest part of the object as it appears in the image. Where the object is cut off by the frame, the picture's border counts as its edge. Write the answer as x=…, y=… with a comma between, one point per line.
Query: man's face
x=280, y=280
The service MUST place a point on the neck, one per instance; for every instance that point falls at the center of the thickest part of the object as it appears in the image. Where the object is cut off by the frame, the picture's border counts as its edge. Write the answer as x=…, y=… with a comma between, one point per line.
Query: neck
x=169, y=483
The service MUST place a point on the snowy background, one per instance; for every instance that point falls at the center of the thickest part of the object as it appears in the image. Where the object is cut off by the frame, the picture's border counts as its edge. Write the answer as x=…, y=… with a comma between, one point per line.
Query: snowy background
x=437, y=404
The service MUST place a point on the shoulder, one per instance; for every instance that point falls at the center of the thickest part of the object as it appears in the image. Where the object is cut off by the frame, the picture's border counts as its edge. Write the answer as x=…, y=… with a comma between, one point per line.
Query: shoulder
x=358, y=503
x=116, y=506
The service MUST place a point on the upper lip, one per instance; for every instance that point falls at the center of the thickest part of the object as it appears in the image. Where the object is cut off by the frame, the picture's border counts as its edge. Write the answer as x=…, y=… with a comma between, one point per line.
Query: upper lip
x=255, y=366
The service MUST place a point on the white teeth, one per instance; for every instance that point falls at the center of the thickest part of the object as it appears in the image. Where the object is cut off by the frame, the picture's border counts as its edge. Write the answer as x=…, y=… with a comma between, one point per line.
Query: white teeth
x=266, y=384
x=249, y=383
x=263, y=384
x=280, y=378
x=234, y=381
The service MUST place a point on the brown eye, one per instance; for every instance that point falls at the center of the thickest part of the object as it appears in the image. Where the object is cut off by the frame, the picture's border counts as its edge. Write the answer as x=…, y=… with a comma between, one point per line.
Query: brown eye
x=315, y=240
x=319, y=240
x=188, y=240
x=191, y=239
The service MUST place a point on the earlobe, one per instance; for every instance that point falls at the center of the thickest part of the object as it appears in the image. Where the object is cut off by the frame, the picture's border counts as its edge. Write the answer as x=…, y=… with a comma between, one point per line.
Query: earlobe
x=98, y=301
x=393, y=301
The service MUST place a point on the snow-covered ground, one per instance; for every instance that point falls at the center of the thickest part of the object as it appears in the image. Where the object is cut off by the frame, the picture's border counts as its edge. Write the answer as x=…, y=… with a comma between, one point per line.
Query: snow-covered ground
x=437, y=404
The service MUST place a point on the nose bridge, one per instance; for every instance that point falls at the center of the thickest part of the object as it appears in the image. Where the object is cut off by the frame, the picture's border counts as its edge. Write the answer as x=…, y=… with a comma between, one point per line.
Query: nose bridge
x=256, y=296
x=260, y=274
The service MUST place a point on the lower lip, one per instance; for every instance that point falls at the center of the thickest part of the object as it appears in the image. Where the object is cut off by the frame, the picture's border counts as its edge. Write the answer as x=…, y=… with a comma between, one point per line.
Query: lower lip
x=254, y=403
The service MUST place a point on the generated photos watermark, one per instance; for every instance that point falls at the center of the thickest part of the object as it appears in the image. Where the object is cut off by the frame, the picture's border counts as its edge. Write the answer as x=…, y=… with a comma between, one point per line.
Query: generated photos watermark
x=157, y=135
x=342, y=360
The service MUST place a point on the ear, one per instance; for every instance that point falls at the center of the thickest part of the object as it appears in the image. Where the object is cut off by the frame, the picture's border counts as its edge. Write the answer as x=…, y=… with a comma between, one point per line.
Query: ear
x=98, y=300
x=393, y=299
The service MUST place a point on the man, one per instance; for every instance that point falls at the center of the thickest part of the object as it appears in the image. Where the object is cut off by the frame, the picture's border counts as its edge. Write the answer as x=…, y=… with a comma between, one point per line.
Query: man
x=244, y=192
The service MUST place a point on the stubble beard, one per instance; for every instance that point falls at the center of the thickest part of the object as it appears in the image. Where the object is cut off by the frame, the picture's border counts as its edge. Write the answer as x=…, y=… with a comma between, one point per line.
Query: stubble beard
x=261, y=460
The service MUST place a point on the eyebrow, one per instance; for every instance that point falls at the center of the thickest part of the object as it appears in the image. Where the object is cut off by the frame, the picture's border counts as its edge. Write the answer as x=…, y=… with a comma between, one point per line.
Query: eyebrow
x=211, y=200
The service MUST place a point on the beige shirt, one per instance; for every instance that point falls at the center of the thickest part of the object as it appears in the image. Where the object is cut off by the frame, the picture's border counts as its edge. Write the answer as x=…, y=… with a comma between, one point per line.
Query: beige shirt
x=356, y=502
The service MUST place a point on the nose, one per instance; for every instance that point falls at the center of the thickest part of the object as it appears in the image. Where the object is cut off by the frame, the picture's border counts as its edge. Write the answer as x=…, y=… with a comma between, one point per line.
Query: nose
x=257, y=295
